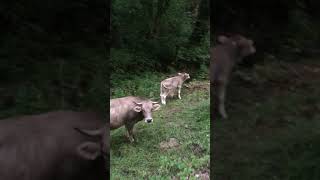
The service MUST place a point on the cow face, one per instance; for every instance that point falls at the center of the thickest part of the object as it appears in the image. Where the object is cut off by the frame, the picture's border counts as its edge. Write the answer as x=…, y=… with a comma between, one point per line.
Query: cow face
x=146, y=108
x=244, y=45
x=184, y=76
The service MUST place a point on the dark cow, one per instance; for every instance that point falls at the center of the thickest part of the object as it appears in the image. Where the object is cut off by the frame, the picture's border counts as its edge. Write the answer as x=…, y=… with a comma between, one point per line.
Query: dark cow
x=224, y=56
x=62, y=145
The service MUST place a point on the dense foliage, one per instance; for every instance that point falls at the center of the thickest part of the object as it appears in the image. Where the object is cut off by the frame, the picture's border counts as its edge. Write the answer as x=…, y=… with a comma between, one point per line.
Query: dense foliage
x=52, y=55
x=158, y=35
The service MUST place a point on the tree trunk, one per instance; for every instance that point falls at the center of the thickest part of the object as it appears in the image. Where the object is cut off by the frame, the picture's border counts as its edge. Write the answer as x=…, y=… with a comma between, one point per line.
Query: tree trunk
x=201, y=26
x=161, y=9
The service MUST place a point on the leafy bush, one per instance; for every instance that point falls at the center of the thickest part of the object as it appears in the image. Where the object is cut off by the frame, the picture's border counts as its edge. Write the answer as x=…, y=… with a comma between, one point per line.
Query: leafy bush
x=153, y=35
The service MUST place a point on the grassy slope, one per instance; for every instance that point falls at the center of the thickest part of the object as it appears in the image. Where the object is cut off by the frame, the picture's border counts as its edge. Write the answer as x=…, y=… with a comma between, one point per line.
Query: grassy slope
x=186, y=120
x=273, y=130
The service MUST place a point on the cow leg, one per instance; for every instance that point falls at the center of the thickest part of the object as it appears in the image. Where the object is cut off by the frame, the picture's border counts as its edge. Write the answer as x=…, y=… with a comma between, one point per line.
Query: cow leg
x=219, y=94
x=163, y=98
x=222, y=108
x=130, y=135
x=161, y=93
x=179, y=92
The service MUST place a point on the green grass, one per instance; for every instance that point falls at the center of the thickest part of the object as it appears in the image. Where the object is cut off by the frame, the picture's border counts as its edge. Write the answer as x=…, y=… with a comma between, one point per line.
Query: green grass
x=187, y=120
x=273, y=130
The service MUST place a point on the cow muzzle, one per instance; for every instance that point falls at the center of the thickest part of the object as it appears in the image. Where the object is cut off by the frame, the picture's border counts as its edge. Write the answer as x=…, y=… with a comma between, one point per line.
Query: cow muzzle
x=149, y=120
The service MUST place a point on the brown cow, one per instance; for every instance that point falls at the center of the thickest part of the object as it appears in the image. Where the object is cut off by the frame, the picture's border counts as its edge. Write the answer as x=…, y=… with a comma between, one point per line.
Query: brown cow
x=169, y=86
x=224, y=56
x=129, y=110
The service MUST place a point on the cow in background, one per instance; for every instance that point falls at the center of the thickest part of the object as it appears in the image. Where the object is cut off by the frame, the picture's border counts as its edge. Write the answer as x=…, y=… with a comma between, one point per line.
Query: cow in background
x=170, y=86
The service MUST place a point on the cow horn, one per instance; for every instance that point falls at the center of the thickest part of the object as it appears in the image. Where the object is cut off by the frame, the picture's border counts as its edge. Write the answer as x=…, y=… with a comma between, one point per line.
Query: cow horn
x=97, y=132
x=155, y=102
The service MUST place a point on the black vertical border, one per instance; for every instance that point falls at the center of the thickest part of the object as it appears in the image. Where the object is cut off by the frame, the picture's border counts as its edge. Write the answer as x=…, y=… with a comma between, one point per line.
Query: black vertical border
x=107, y=76
x=211, y=27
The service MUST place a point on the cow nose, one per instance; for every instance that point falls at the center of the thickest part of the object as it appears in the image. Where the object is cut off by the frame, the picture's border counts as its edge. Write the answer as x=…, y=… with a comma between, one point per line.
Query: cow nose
x=149, y=120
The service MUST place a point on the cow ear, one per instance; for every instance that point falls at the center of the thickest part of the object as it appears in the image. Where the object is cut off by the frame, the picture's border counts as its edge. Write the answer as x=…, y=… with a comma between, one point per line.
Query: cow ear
x=89, y=150
x=156, y=107
x=137, y=109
